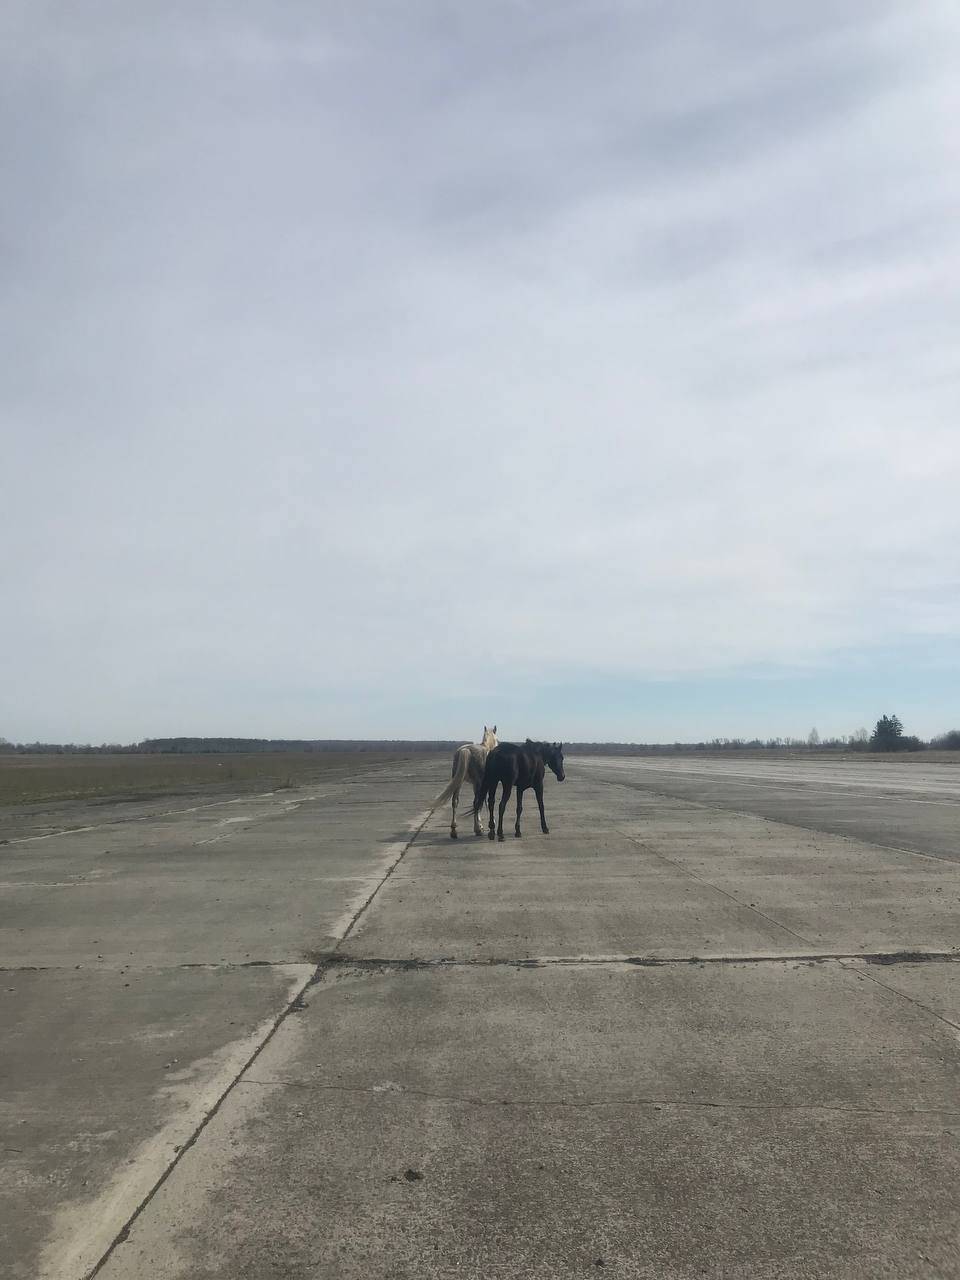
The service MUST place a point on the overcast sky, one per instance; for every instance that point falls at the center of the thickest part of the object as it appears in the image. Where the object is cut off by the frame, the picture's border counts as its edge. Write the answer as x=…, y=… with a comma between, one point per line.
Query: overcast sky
x=391, y=368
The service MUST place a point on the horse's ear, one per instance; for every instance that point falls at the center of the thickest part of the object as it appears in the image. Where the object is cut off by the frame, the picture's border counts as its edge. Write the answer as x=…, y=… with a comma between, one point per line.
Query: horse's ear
x=484, y=728
x=494, y=728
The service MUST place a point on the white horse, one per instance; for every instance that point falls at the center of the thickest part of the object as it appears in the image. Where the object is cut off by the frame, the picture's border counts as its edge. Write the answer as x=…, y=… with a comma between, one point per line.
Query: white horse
x=468, y=762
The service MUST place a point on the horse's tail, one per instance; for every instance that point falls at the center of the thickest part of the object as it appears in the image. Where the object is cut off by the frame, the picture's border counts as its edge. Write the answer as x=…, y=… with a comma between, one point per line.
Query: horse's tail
x=486, y=782
x=461, y=763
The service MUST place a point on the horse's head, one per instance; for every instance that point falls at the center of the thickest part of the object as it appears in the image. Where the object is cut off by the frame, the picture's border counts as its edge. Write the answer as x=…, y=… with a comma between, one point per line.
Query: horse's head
x=553, y=758
x=489, y=739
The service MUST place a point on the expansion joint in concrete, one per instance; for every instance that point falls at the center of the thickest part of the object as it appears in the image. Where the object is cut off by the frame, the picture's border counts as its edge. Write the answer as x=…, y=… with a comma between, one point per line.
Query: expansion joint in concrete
x=334, y=959
x=98, y=966
x=585, y=1104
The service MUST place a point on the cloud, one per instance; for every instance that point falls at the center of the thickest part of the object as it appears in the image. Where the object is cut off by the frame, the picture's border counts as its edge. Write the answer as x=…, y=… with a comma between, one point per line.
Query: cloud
x=400, y=353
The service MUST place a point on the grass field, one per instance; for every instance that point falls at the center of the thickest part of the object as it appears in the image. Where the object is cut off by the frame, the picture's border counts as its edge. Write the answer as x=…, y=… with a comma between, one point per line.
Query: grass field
x=27, y=779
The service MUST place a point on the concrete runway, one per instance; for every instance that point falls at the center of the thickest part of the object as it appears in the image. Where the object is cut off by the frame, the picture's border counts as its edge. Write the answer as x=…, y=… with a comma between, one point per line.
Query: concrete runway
x=710, y=1026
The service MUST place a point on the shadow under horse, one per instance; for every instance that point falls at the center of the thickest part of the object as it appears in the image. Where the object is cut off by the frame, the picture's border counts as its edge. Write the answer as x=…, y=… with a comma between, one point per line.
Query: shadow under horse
x=510, y=765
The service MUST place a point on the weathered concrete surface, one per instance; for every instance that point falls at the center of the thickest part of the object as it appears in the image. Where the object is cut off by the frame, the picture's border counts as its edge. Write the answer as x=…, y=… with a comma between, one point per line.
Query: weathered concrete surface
x=910, y=804
x=262, y=878
x=108, y=1072
x=132, y=988
x=744, y=1120
x=762, y=1111
x=776, y=1116
x=624, y=874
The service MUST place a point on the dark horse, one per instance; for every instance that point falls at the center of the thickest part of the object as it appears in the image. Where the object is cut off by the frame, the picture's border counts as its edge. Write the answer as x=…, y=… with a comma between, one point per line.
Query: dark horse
x=519, y=767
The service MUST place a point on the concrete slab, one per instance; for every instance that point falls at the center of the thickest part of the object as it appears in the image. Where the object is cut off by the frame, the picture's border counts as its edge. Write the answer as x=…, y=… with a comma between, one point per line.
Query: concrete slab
x=104, y=1076
x=114, y=1053
x=235, y=837
x=151, y=920
x=771, y=1118
x=930, y=986
x=911, y=805
x=524, y=917
x=42, y=818
x=208, y=889
x=743, y=1120
x=586, y=889
x=680, y=881
x=834, y=893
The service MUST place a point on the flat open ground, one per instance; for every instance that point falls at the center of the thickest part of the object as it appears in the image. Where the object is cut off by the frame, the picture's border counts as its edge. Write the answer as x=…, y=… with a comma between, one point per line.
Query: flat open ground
x=52, y=791
x=709, y=1026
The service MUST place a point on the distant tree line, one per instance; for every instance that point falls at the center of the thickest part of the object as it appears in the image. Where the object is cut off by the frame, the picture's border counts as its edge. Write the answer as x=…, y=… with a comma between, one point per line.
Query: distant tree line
x=887, y=735
x=225, y=746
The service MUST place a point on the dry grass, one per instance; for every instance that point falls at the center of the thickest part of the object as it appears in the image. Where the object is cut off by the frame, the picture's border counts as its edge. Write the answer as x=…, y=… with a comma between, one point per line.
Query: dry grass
x=26, y=779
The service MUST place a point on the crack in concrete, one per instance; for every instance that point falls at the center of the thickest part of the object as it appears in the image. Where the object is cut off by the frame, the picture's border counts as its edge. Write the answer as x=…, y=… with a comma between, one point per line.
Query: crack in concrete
x=716, y=888
x=955, y=1026
x=50, y=884
x=401, y=964
x=335, y=959
x=123, y=967
x=398, y=1090
x=780, y=822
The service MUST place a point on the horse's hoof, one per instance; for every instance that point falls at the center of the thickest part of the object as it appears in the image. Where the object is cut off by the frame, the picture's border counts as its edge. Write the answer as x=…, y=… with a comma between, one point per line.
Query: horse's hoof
x=517, y=835
x=453, y=835
x=501, y=837
x=490, y=835
x=546, y=831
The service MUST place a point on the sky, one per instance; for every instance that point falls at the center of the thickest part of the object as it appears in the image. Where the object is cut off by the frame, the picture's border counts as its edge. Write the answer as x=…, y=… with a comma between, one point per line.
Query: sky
x=391, y=369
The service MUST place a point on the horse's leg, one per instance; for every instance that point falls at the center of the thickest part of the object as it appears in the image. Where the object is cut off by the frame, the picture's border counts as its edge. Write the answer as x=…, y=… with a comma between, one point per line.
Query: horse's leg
x=516, y=829
x=491, y=796
x=477, y=806
x=453, y=813
x=538, y=788
x=507, y=788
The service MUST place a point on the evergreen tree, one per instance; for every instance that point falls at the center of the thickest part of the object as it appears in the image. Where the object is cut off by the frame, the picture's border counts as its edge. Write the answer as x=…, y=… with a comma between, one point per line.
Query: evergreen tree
x=887, y=734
